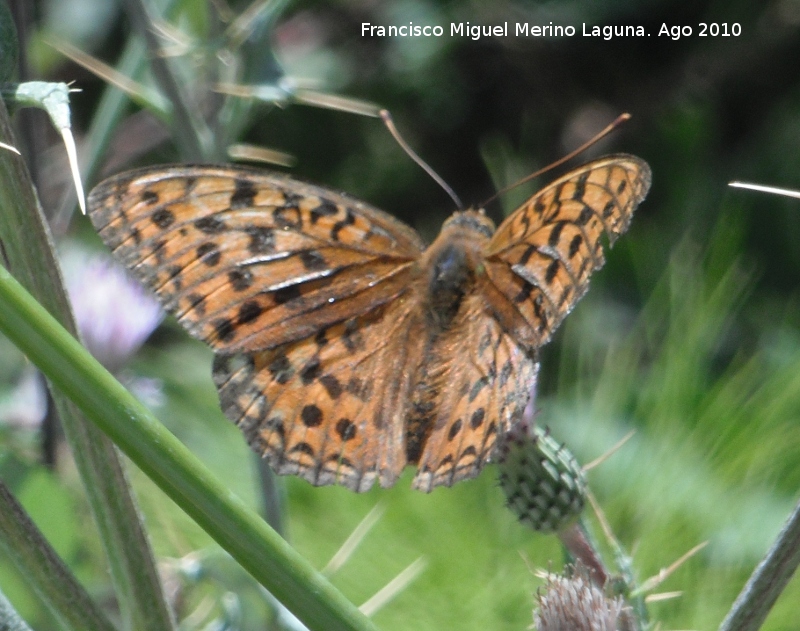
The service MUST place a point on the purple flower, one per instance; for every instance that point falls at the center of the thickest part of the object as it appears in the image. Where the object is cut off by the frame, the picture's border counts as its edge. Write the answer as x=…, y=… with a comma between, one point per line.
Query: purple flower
x=114, y=314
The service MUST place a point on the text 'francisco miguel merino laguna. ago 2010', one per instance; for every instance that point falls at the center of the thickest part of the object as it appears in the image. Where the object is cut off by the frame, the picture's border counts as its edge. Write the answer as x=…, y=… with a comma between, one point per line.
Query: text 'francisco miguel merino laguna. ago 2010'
x=525, y=29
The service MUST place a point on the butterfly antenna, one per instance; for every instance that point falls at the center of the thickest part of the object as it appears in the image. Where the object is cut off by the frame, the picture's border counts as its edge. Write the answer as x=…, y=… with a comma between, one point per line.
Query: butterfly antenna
x=624, y=117
x=387, y=120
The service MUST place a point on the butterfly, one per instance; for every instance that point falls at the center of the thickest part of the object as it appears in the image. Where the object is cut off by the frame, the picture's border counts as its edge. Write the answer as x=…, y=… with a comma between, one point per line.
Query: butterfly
x=344, y=348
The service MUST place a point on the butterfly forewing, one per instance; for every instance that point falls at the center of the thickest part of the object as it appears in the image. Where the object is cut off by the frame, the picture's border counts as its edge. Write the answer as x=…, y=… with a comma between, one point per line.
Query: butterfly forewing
x=540, y=259
x=249, y=260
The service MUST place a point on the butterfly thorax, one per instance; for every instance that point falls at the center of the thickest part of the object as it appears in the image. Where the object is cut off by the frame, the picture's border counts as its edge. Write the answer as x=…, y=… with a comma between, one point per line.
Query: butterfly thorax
x=451, y=263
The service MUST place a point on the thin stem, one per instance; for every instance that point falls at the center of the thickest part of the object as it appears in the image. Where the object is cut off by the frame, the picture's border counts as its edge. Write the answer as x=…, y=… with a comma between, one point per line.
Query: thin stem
x=768, y=580
x=191, y=131
x=44, y=570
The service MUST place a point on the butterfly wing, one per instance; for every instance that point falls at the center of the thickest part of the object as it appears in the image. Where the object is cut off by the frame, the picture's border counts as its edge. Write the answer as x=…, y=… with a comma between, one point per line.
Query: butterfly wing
x=535, y=268
x=484, y=388
x=306, y=295
x=539, y=261
x=331, y=408
x=248, y=260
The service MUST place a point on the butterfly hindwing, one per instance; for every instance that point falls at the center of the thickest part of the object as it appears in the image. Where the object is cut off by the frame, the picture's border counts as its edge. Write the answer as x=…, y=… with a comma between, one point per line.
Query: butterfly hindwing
x=330, y=408
x=485, y=386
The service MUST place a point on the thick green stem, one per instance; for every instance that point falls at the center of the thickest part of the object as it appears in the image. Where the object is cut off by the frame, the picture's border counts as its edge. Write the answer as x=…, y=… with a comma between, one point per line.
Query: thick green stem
x=259, y=549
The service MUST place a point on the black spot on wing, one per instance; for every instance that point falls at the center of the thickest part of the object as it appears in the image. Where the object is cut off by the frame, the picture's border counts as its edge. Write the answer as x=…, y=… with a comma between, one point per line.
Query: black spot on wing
x=286, y=294
x=281, y=369
x=262, y=239
x=224, y=329
x=159, y=248
x=525, y=292
x=310, y=372
x=312, y=260
x=346, y=429
x=244, y=194
x=325, y=209
x=210, y=225
x=477, y=418
x=351, y=337
x=349, y=220
x=311, y=416
x=240, y=279
x=197, y=303
x=585, y=216
x=575, y=245
x=580, y=186
x=331, y=385
x=209, y=253
x=555, y=234
x=149, y=197
x=479, y=385
x=163, y=218
x=527, y=254
x=288, y=218
x=249, y=311
x=455, y=428
x=552, y=271
x=303, y=448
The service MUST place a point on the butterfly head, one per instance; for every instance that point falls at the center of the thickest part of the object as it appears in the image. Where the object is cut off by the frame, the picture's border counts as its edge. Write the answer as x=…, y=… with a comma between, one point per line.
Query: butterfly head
x=466, y=220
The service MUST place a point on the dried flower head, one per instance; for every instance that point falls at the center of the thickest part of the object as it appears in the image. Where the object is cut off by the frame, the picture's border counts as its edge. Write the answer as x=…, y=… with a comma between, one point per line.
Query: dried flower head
x=575, y=603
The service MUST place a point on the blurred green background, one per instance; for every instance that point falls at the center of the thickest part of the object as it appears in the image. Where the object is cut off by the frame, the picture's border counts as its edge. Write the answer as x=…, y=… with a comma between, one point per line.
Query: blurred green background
x=690, y=335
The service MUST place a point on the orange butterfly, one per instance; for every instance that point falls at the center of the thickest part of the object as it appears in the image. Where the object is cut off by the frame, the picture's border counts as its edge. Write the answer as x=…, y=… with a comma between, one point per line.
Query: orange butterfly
x=345, y=349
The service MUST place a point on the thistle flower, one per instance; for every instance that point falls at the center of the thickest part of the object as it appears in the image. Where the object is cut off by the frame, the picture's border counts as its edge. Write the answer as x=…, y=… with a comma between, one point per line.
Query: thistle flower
x=113, y=313
x=575, y=603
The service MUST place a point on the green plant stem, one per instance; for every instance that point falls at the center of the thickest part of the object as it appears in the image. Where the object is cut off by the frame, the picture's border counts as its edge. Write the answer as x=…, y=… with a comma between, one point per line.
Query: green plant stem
x=191, y=132
x=26, y=546
x=260, y=550
x=768, y=580
x=26, y=247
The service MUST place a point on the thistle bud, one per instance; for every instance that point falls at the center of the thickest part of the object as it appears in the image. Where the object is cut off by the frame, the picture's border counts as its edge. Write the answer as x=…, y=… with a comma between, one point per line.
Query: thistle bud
x=544, y=484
